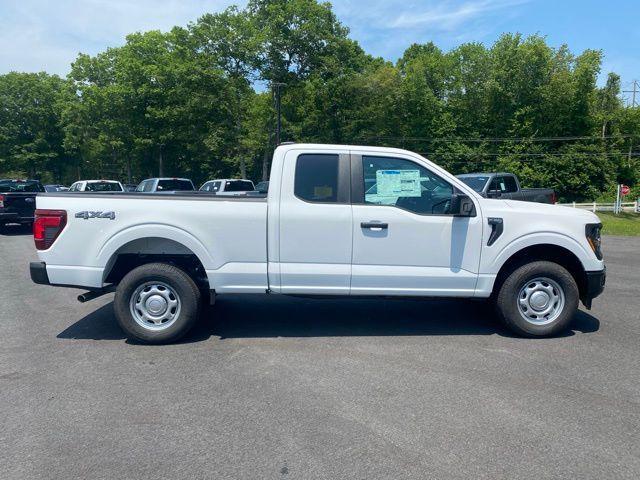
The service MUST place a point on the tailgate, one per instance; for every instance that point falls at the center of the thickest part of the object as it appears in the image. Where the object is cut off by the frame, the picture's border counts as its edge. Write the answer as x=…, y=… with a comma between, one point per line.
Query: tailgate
x=22, y=204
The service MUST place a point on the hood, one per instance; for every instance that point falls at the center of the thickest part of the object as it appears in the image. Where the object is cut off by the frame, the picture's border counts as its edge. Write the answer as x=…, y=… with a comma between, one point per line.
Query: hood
x=552, y=210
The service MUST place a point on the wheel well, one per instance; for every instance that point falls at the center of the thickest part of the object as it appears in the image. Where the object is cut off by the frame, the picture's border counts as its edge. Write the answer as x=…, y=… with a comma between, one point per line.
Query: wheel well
x=150, y=250
x=545, y=252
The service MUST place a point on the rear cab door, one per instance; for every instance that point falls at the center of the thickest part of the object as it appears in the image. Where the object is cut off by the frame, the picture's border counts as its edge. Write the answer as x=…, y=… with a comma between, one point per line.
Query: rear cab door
x=314, y=223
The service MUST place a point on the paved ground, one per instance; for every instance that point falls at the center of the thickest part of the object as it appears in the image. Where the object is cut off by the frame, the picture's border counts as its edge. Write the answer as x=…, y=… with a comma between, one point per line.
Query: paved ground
x=289, y=388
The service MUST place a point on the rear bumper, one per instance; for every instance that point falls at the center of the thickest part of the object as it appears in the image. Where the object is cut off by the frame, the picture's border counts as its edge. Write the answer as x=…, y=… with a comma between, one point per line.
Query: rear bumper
x=38, y=272
x=14, y=217
x=595, y=286
x=8, y=217
x=88, y=278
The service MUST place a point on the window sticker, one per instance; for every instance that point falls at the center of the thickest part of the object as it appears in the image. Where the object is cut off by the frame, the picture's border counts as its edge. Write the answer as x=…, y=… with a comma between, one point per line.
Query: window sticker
x=322, y=191
x=398, y=183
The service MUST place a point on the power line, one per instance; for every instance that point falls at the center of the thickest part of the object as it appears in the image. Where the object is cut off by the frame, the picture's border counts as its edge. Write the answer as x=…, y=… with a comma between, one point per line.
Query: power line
x=526, y=154
x=499, y=139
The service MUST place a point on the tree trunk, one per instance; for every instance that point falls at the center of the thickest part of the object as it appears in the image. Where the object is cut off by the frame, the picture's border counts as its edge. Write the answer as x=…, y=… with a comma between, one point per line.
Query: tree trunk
x=160, y=164
x=243, y=168
x=265, y=165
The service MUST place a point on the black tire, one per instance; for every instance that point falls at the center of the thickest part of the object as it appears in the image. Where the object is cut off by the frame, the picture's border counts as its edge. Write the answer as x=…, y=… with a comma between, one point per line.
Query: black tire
x=508, y=299
x=178, y=283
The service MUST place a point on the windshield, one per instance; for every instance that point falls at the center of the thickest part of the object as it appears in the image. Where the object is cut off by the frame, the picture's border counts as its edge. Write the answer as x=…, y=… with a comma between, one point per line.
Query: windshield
x=477, y=183
x=103, y=187
x=238, y=186
x=175, y=184
x=20, y=186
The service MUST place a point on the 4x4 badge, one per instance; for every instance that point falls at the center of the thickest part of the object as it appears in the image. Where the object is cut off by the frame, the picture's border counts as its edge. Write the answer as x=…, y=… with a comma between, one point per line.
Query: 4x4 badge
x=88, y=215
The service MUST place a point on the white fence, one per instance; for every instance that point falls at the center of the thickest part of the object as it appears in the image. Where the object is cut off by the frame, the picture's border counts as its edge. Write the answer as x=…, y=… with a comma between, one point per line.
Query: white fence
x=604, y=207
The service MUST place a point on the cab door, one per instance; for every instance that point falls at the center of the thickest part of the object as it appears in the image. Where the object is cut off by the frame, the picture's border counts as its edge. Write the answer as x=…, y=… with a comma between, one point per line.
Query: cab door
x=315, y=224
x=405, y=240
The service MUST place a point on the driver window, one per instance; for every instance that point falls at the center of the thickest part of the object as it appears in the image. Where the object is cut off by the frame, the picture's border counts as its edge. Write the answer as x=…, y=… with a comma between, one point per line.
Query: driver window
x=404, y=184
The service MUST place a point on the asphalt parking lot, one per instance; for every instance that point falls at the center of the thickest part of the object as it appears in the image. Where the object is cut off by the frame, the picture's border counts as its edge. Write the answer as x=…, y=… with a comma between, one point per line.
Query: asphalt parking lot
x=283, y=388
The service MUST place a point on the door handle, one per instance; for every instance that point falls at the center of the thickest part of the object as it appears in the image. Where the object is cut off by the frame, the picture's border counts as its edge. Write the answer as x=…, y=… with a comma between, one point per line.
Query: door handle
x=374, y=225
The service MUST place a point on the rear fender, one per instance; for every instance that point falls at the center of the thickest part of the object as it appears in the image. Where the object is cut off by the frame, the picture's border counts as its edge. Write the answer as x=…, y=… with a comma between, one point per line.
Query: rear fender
x=113, y=244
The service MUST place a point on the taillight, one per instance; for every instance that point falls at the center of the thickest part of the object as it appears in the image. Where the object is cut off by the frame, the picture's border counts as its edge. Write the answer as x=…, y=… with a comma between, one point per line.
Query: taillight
x=1, y=201
x=48, y=224
x=554, y=198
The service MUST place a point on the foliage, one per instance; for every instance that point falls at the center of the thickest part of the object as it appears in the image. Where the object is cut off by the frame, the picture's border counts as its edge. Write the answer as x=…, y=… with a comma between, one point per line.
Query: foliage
x=196, y=101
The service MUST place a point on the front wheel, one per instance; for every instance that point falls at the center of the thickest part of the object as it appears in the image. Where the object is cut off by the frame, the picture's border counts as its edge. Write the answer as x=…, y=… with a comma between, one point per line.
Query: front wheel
x=538, y=299
x=157, y=303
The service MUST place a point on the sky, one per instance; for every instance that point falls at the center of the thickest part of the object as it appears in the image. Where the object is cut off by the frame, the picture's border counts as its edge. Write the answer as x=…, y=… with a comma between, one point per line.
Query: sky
x=46, y=35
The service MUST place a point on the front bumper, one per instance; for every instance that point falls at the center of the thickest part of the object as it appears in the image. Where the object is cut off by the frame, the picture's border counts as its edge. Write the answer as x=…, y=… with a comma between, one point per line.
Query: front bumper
x=38, y=272
x=594, y=287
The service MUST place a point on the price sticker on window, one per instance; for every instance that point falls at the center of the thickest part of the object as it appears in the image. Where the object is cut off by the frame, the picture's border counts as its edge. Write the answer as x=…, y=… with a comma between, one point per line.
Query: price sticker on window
x=398, y=183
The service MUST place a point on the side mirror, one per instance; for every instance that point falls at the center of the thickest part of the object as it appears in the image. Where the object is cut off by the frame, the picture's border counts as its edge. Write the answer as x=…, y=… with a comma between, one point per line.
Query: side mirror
x=494, y=193
x=462, y=205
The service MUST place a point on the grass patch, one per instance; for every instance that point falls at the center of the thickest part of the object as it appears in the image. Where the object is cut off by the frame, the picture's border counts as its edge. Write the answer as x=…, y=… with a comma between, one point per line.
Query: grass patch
x=622, y=224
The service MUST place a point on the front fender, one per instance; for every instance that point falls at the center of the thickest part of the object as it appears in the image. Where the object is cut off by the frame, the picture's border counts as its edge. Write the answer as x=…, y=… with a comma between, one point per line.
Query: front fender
x=586, y=257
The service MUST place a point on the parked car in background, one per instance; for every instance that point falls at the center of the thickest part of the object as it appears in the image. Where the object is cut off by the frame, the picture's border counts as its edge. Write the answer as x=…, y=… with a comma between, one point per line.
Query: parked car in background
x=97, y=186
x=130, y=187
x=263, y=187
x=507, y=187
x=55, y=188
x=18, y=201
x=317, y=233
x=165, y=185
x=228, y=186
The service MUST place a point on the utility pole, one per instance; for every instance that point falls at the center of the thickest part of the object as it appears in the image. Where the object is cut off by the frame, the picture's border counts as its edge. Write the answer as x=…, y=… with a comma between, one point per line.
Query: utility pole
x=160, y=163
x=277, y=86
x=633, y=92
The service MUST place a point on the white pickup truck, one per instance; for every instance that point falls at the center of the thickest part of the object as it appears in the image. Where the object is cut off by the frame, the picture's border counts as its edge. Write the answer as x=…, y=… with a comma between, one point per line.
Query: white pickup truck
x=338, y=220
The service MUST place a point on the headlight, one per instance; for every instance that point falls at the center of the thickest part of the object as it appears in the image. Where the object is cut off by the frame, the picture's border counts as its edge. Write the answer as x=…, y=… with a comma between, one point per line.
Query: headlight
x=592, y=232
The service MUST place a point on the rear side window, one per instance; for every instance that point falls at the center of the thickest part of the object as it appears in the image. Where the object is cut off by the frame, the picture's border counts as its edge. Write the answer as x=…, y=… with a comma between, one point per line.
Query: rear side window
x=510, y=184
x=506, y=184
x=316, y=178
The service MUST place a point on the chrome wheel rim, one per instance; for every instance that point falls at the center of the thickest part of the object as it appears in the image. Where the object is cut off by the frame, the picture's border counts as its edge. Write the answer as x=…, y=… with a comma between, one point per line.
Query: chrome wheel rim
x=155, y=306
x=541, y=301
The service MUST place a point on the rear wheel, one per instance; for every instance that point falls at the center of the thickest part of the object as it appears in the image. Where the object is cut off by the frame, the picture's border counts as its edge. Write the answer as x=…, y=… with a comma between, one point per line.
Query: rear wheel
x=157, y=303
x=538, y=299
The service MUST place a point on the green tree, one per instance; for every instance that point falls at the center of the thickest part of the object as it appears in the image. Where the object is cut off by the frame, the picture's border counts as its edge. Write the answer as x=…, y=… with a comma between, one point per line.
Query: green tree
x=30, y=134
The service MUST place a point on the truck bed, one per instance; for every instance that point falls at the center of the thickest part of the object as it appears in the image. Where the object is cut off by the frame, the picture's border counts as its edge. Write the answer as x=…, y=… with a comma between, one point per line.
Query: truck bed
x=228, y=234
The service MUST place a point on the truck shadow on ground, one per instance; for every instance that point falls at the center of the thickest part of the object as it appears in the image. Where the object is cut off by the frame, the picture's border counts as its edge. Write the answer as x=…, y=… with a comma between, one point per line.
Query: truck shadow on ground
x=276, y=316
